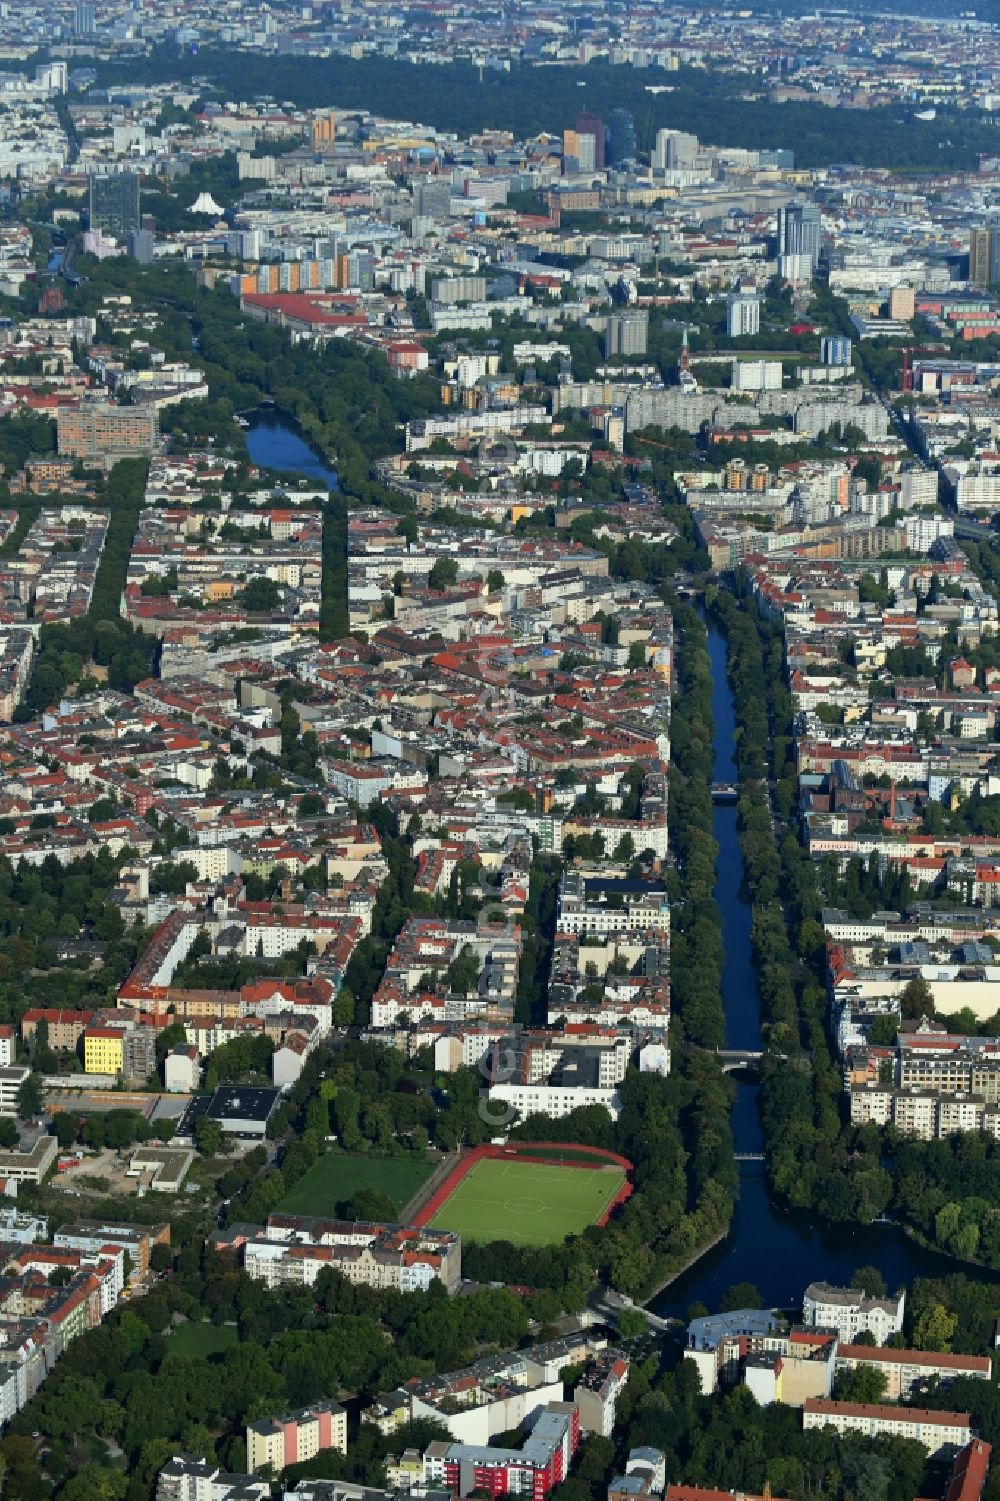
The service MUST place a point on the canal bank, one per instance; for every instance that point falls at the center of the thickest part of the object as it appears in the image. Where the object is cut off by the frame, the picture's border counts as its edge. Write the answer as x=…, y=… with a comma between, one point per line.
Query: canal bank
x=777, y=1248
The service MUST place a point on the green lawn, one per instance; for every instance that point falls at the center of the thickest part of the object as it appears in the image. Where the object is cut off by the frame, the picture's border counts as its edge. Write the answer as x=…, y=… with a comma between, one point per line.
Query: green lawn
x=202, y=1339
x=335, y=1178
x=528, y=1203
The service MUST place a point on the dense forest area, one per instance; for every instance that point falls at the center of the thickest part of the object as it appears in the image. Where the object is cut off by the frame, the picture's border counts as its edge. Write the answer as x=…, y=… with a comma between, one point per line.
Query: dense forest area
x=40, y=905
x=527, y=100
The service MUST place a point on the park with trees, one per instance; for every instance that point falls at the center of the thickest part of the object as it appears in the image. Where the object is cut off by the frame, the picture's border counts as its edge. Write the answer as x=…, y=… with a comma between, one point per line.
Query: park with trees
x=711, y=102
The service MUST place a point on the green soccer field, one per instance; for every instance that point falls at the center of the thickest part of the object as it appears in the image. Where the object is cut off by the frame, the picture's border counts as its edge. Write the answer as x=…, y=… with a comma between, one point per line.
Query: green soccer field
x=336, y=1177
x=528, y=1203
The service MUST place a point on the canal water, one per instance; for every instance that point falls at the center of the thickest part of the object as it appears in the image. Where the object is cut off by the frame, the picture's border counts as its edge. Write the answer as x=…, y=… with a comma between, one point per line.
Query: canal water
x=274, y=442
x=779, y=1250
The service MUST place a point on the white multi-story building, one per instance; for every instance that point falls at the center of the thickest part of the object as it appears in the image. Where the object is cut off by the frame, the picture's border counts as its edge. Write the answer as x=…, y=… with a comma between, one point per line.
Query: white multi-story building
x=905, y=1369
x=22, y=1370
x=924, y=1113
x=11, y=1079
x=554, y=1073
x=978, y=491
x=756, y=375
x=182, y=1070
x=848, y=1312
x=923, y=531
x=20, y=1229
x=940, y=1433
x=742, y=315
x=816, y=417
x=581, y=912
x=186, y=1478
x=554, y=1100
x=918, y=487
x=294, y=1250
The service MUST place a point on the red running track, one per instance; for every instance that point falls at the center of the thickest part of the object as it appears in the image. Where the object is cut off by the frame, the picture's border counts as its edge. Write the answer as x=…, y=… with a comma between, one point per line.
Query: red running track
x=529, y=1151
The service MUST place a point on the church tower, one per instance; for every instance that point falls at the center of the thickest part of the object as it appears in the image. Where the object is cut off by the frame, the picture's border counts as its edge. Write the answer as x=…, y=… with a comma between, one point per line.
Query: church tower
x=684, y=360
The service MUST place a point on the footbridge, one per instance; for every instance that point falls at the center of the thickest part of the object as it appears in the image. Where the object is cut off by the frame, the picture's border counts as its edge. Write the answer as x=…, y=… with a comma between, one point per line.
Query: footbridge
x=608, y=1305
x=733, y=1058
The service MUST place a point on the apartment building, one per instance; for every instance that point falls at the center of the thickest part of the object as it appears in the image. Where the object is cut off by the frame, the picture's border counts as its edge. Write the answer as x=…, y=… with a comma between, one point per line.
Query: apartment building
x=922, y=1113
x=536, y=1468
x=17, y=649
x=23, y=1367
x=91, y=1236
x=125, y=1048
x=581, y=910
x=942, y=1434
x=104, y=1050
x=948, y=1064
x=65, y=1028
x=52, y=577
x=99, y=432
x=292, y=1437
x=429, y=973
x=39, y=1320
x=969, y=1472
x=596, y=1393
x=904, y=1369
x=747, y=1346
x=554, y=1073
x=292, y=1250
x=493, y=1395
x=188, y=1478
x=554, y=1100
x=17, y=1229
x=638, y=998
x=645, y=1475
x=107, y=1265
x=847, y=1312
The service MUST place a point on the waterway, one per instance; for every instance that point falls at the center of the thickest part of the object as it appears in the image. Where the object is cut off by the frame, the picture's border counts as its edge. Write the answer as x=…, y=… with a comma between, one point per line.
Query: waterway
x=275, y=442
x=780, y=1250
